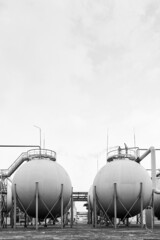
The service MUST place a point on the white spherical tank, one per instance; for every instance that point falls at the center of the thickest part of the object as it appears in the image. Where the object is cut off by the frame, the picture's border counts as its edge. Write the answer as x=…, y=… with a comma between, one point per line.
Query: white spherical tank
x=127, y=175
x=50, y=176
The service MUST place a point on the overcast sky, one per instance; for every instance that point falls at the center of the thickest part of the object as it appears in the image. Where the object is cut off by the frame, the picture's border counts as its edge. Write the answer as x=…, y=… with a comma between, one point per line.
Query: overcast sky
x=76, y=69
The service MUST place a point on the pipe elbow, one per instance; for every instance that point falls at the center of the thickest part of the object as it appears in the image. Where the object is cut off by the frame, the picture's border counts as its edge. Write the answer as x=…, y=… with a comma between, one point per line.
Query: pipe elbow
x=157, y=191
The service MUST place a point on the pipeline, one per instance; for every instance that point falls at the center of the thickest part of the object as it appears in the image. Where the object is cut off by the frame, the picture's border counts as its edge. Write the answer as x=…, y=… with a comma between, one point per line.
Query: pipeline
x=139, y=159
x=153, y=167
x=26, y=156
x=5, y=173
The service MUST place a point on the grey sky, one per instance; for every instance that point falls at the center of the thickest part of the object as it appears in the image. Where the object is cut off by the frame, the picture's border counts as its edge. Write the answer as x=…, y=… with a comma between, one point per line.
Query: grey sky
x=76, y=69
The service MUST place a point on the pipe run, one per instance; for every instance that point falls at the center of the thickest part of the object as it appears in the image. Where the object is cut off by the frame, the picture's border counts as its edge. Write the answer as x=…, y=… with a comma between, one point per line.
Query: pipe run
x=8, y=172
x=26, y=156
x=145, y=154
x=153, y=167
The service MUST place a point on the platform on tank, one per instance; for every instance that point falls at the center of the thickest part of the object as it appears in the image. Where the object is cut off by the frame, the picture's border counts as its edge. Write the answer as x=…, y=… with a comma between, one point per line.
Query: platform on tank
x=80, y=231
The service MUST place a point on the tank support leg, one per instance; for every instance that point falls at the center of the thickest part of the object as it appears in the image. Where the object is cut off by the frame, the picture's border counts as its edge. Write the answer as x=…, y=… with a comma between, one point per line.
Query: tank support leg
x=93, y=213
x=15, y=206
x=152, y=209
x=95, y=208
x=141, y=202
x=72, y=208
x=89, y=211
x=61, y=205
x=115, y=205
x=25, y=217
x=1, y=204
x=36, y=205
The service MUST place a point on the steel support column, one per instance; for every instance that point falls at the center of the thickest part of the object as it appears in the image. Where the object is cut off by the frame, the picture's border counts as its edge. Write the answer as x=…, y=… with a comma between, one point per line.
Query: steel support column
x=1, y=205
x=89, y=211
x=152, y=209
x=37, y=193
x=71, y=209
x=62, y=206
x=115, y=205
x=95, y=207
x=141, y=202
x=15, y=205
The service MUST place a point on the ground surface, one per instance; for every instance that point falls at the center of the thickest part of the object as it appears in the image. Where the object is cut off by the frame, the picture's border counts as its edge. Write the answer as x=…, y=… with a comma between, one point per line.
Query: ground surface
x=79, y=232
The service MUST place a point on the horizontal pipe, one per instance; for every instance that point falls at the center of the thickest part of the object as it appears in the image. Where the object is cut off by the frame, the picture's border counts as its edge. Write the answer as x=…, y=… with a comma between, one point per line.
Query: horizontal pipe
x=20, y=146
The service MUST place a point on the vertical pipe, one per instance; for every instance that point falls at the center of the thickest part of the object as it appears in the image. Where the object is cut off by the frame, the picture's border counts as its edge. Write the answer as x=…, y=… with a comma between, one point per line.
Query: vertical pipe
x=89, y=210
x=6, y=220
x=115, y=205
x=107, y=146
x=1, y=203
x=95, y=208
x=36, y=205
x=153, y=167
x=141, y=202
x=61, y=205
x=25, y=217
x=93, y=215
x=72, y=208
x=15, y=206
x=137, y=218
x=11, y=212
x=152, y=209
x=137, y=153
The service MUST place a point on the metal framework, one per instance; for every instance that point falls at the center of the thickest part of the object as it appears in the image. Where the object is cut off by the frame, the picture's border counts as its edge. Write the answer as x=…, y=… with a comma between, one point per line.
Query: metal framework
x=37, y=200
x=98, y=208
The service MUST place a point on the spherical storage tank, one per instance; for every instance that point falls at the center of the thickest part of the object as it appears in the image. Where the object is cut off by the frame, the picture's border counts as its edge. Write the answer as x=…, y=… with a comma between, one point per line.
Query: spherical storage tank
x=127, y=175
x=50, y=176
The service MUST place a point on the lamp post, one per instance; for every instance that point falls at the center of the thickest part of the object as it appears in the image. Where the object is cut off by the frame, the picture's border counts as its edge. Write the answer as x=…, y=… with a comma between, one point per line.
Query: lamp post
x=39, y=135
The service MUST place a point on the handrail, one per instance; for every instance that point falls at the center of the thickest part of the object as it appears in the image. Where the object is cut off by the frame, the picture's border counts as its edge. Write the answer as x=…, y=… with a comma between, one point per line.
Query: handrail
x=39, y=153
x=121, y=153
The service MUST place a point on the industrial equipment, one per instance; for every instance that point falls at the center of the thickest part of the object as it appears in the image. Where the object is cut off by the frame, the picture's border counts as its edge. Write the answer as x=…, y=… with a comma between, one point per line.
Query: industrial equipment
x=123, y=188
x=43, y=176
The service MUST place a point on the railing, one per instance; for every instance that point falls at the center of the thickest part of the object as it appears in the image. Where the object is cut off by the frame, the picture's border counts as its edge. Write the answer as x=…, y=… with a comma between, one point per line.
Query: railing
x=120, y=153
x=41, y=153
